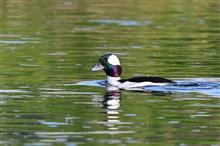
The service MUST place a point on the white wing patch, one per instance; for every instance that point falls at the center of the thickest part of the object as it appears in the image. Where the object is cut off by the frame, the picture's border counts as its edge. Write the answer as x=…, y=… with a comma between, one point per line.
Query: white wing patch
x=113, y=60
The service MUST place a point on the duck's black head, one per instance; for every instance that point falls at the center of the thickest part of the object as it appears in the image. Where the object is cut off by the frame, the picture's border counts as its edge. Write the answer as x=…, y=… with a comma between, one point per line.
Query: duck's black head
x=110, y=64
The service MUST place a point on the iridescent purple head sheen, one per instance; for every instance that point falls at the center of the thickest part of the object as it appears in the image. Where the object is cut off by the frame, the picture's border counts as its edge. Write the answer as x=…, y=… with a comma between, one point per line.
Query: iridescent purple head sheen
x=113, y=71
x=110, y=64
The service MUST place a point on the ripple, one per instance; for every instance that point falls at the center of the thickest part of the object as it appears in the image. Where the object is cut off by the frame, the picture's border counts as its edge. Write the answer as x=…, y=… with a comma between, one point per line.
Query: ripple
x=18, y=41
x=51, y=89
x=51, y=124
x=57, y=54
x=84, y=133
x=9, y=35
x=13, y=91
x=173, y=122
x=130, y=115
x=123, y=22
x=38, y=144
x=69, y=93
x=96, y=83
x=30, y=65
x=12, y=42
x=113, y=121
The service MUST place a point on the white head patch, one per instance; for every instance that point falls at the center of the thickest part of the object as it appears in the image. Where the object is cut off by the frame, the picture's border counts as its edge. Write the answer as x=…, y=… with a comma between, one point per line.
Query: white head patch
x=113, y=60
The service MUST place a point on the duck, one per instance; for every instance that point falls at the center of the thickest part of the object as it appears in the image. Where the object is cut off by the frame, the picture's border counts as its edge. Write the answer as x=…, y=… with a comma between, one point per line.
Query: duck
x=110, y=63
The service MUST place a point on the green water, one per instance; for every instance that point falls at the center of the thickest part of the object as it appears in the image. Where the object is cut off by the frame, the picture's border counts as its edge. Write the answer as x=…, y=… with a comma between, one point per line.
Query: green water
x=48, y=44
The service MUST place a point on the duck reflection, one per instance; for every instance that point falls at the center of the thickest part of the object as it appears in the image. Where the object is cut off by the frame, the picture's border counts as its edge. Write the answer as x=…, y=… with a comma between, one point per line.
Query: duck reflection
x=110, y=104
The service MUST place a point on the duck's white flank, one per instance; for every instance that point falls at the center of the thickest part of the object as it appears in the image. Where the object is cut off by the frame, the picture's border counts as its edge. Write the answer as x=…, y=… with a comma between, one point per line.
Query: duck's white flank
x=114, y=81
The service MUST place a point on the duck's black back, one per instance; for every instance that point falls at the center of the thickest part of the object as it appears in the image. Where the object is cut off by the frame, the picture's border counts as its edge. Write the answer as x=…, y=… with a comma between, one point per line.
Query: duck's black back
x=147, y=79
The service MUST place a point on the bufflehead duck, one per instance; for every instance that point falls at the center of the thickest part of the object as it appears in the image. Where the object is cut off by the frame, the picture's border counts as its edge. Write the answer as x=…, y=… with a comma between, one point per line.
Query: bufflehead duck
x=112, y=67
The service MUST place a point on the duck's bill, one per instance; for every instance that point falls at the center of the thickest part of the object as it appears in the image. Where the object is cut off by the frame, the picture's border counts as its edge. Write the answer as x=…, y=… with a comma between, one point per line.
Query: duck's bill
x=97, y=67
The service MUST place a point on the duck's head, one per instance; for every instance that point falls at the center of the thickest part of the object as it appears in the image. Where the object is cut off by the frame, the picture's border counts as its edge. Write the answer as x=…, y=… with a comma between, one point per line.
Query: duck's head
x=110, y=64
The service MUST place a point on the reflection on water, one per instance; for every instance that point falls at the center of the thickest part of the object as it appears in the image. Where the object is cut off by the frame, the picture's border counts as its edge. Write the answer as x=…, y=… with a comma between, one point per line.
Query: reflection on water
x=110, y=103
x=48, y=48
x=71, y=118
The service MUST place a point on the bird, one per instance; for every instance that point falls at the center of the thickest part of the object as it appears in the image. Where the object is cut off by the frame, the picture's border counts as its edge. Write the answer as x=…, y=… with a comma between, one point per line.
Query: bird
x=110, y=63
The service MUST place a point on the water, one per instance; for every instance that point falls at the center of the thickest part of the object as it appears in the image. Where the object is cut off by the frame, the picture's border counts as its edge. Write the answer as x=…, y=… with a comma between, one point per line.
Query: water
x=48, y=47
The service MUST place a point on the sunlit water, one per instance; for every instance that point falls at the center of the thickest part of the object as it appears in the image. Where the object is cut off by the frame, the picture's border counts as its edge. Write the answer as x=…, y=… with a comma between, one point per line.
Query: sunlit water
x=49, y=97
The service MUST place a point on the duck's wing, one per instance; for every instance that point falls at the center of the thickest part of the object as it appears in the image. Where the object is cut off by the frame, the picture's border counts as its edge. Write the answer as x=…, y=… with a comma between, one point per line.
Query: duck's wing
x=147, y=79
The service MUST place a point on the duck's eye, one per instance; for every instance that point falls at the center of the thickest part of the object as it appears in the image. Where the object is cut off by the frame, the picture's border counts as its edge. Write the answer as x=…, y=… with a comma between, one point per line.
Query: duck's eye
x=102, y=61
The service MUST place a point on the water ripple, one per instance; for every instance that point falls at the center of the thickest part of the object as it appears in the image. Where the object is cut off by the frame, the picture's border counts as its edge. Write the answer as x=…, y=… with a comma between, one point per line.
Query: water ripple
x=13, y=91
x=83, y=133
x=123, y=22
x=69, y=93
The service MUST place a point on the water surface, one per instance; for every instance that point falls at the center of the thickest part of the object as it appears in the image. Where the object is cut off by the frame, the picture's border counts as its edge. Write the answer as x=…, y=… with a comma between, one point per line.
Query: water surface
x=49, y=46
